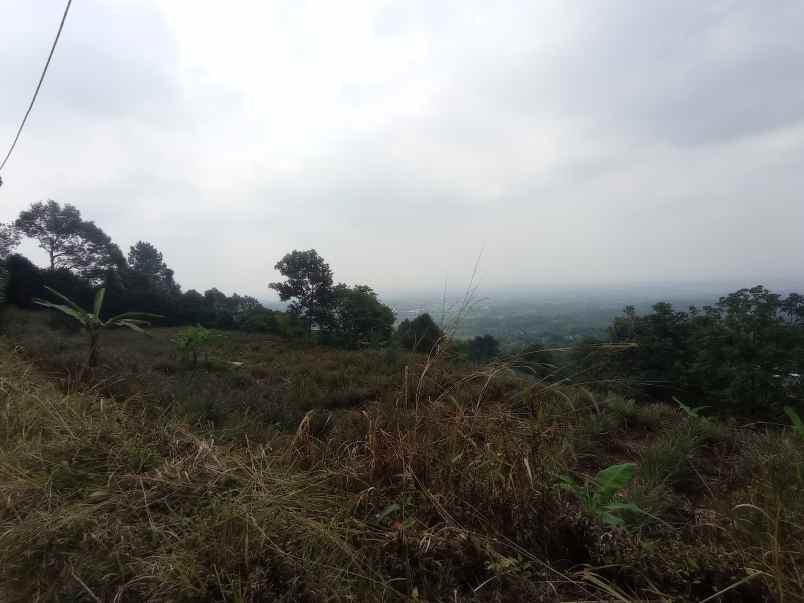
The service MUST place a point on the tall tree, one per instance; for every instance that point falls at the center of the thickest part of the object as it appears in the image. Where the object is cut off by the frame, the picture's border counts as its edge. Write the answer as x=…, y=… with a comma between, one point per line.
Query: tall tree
x=360, y=317
x=742, y=354
x=309, y=284
x=9, y=239
x=420, y=334
x=69, y=241
x=147, y=260
x=147, y=264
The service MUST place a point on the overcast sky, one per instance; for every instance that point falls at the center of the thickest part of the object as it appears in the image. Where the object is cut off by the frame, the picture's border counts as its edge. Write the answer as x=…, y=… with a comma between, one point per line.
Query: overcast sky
x=573, y=142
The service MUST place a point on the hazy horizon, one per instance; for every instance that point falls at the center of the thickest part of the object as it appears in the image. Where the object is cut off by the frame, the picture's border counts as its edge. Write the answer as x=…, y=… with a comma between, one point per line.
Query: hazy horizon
x=571, y=144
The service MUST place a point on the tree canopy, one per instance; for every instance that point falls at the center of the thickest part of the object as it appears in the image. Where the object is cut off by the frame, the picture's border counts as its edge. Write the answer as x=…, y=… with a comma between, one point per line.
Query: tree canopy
x=82, y=257
x=9, y=239
x=359, y=317
x=420, y=334
x=70, y=242
x=742, y=353
x=146, y=259
x=308, y=283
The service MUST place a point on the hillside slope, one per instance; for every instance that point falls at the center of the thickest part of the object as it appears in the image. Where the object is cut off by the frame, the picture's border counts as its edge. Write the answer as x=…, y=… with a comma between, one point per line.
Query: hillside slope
x=408, y=480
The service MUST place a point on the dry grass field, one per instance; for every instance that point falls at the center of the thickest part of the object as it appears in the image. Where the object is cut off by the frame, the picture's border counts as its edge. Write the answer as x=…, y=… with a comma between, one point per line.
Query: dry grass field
x=279, y=470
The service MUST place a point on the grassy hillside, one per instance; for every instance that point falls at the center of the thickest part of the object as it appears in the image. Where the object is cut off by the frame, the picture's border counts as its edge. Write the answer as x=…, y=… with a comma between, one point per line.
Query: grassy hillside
x=313, y=474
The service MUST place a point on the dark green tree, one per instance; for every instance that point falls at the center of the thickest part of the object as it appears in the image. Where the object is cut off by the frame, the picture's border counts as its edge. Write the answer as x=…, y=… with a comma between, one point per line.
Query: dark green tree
x=662, y=338
x=24, y=281
x=483, y=349
x=191, y=308
x=359, y=317
x=308, y=283
x=420, y=334
x=241, y=305
x=70, y=242
x=9, y=239
x=793, y=309
x=260, y=320
x=216, y=299
x=745, y=348
x=588, y=361
x=147, y=260
x=147, y=269
x=740, y=355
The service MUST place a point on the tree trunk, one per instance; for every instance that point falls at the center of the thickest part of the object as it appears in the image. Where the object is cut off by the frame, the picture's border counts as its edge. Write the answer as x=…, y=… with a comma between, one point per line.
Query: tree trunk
x=92, y=359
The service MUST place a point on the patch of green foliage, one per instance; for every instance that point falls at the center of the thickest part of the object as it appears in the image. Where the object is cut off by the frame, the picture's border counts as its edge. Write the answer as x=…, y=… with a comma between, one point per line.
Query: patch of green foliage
x=797, y=425
x=740, y=356
x=421, y=334
x=191, y=342
x=598, y=495
x=692, y=412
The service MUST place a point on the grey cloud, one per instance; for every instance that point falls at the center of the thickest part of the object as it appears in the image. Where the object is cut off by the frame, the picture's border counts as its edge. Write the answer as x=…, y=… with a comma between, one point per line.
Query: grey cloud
x=683, y=73
x=600, y=142
x=688, y=74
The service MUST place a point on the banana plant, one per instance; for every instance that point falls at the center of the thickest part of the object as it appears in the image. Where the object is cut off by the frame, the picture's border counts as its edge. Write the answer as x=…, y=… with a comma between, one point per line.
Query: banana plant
x=92, y=323
x=598, y=494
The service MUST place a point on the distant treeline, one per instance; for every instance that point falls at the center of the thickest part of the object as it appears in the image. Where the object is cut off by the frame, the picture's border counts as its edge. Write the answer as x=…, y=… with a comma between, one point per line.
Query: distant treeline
x=128, y=288
x=743, y=355
x=82, y=258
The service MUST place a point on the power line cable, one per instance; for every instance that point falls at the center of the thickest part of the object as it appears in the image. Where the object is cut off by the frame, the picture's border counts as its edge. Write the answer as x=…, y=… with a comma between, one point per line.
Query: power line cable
x=38, y=86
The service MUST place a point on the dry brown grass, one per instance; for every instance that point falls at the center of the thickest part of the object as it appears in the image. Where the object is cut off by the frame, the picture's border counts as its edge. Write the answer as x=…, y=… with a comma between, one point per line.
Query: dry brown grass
x=440, y=483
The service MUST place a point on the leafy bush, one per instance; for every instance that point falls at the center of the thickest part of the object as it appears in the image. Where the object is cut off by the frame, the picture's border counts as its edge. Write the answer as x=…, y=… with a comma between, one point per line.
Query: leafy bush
x=797, y=425
x=192, y=341
x=690, y=411
x=599, y=494
x=483, y=349
x=740, y=356
x=420, y=334
x=260, y=320
x=359, y=317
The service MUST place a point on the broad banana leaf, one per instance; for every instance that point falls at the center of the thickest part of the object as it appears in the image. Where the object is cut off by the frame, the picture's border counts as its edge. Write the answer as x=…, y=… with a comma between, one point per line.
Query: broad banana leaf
x=77, y=314
x=70, y=302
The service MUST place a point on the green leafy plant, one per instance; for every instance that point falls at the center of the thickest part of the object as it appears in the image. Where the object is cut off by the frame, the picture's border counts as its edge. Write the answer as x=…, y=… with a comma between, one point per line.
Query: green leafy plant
x=692, y=412
x=92, y=323
x=797, y=424
x=598, y=494
x=191, y=341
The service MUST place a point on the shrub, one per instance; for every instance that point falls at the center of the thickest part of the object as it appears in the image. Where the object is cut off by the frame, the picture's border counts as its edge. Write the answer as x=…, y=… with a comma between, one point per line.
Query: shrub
x=420, y=334
x=260, y=321
x=599, y=494
x=191, y=342
x=360, y=318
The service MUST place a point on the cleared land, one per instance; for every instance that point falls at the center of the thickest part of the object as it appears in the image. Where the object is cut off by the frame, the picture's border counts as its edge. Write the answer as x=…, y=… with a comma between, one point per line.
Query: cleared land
x=314, y=474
